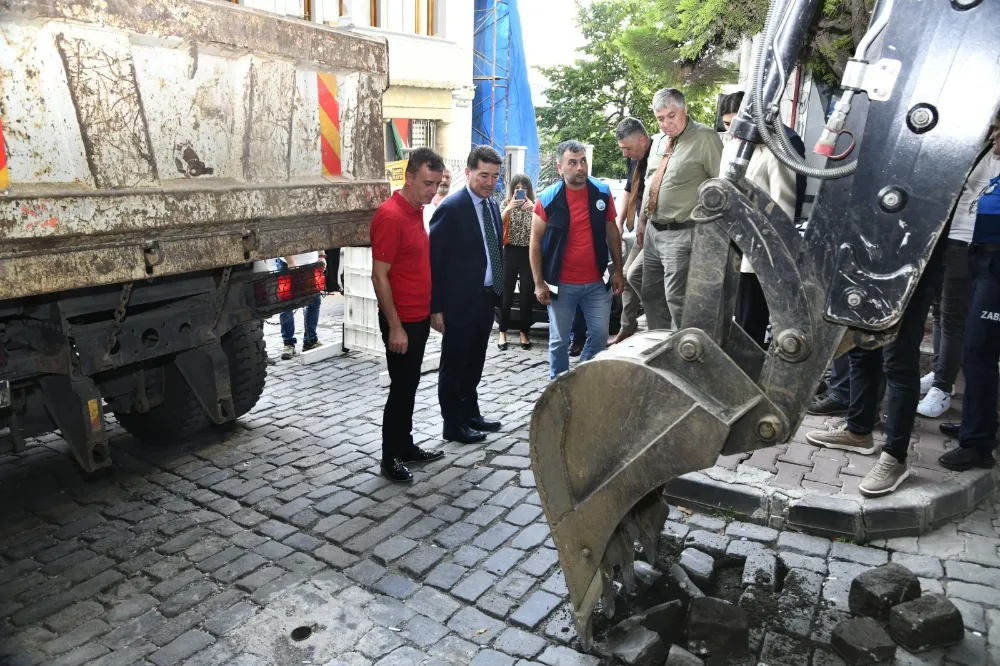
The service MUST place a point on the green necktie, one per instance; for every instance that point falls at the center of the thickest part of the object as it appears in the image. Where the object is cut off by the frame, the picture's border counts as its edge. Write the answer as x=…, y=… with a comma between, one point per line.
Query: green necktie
x=493, y=247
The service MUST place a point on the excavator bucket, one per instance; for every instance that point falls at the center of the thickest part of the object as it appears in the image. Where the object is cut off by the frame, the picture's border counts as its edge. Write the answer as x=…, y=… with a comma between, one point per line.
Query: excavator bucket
x=600, y=462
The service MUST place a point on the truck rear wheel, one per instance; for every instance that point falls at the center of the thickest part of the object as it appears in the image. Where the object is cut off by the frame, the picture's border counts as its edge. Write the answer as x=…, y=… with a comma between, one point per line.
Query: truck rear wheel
x=247, y=354
x=177, y=418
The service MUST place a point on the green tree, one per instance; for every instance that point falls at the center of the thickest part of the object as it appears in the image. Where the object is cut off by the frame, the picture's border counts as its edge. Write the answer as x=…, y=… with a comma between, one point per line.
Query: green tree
x=689, y=37
x=587, y=99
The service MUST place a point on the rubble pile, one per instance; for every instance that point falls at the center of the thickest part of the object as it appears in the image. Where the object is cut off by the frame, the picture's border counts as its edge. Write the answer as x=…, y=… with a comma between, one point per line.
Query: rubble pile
x=714, y=599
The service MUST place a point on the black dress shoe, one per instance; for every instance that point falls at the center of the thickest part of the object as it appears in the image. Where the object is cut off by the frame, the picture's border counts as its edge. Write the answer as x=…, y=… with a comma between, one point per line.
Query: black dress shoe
x=962, y=459
x=950, y=429
x=463, y=434
x=396, y=471
x=418, y=455
x=575, y=349
x=482, y=425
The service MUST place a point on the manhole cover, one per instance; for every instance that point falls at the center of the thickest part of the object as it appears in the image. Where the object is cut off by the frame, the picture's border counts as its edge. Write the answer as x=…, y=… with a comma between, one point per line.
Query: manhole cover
x=301, y=633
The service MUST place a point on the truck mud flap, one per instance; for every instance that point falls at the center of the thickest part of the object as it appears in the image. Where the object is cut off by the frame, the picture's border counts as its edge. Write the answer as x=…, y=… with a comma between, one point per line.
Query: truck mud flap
x=206, y=371
x=606, y=437
x=75, y=406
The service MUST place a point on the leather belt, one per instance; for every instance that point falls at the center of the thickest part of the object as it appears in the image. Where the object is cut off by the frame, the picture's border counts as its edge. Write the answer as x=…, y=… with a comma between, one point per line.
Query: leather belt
x=672, y=226
x=984, y=247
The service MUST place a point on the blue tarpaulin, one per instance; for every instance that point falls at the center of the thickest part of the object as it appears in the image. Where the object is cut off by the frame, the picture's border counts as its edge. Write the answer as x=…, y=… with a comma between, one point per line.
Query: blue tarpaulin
x=503, y=113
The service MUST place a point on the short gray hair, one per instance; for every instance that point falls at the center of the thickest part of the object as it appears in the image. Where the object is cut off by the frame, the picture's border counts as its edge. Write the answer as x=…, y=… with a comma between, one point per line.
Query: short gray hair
x=571, y=146
x=665, y=97
x=629, y=127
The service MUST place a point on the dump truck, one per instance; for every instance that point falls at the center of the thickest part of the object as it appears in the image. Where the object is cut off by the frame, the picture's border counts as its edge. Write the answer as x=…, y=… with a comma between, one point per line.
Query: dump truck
x=919, y=97
x=155, y=155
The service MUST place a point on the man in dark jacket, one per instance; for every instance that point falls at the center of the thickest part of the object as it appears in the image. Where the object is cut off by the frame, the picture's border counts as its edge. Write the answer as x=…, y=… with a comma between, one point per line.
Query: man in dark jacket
x=466, y=284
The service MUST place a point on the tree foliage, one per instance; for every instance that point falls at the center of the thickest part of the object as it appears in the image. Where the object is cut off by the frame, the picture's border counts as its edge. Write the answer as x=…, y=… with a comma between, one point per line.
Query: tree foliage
x=587, y=99
x=691, y=37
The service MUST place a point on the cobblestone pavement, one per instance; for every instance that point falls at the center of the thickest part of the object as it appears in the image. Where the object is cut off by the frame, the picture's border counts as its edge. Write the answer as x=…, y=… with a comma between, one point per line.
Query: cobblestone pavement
x=276, y=542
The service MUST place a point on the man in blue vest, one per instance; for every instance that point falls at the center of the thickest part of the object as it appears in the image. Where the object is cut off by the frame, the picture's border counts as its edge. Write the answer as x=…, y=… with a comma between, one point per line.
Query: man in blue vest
x=978, y=433
x=572, y=232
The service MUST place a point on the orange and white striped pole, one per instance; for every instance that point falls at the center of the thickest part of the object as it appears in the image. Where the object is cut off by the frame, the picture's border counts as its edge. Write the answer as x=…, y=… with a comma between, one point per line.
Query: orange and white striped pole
x=4, y=171
x=329, y=123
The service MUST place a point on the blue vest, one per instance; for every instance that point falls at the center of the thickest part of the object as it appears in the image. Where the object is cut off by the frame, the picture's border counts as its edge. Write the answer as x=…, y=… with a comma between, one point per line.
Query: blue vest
x=553, y=200
x=987, y=229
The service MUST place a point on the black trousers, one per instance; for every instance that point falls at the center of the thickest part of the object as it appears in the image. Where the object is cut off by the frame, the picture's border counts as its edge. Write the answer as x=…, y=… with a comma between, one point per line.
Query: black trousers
x=404, y=378
x=900, y=359
x=982, y=353
x=463, y=354
x=517, y=266
x=752, y=314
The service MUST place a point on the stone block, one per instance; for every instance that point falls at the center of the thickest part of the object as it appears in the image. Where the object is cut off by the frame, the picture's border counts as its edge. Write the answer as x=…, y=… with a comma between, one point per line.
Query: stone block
x=876, y=591
x=707, y=542
x=698, y=565
x=717, y=627
x=678, y=656
x=761, y=569
x=684, y=582
x=741, y=530
x=667, y=620
x=931, y=621
x=639, y=647
x=862, y=641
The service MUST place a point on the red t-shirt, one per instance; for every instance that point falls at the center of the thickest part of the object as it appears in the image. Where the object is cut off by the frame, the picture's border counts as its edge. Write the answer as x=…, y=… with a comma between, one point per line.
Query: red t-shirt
x=399, y=239
x=579, y=264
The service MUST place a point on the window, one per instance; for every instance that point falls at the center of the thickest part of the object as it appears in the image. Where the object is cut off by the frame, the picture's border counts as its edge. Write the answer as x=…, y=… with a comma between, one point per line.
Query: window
x=423, y=134
x=421, y=17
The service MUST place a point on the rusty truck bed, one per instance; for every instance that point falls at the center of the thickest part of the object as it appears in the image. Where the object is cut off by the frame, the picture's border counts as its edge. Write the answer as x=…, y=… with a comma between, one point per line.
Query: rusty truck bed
x=156, y=137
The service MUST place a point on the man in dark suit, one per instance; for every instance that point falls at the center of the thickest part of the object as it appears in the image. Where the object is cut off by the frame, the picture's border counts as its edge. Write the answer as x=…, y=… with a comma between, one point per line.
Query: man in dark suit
x=466, y=284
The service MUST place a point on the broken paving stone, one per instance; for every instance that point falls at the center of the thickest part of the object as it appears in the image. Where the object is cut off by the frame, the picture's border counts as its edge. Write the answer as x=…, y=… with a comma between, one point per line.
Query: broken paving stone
x=876, y=591
x=685, y=583
x=717, y=627
x=678, y=656
x=862, y=641
x=761, y=570
x=639, y=647
x=667, y=620
x=698, y=565
x=931, y=621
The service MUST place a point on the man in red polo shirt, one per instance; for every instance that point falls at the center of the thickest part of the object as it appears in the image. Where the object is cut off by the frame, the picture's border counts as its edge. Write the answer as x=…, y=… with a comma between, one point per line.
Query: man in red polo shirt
x=401, y=273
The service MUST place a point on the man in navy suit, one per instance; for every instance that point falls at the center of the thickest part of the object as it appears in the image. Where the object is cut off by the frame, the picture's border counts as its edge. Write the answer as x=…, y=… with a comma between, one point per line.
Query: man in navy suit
x=466, y=284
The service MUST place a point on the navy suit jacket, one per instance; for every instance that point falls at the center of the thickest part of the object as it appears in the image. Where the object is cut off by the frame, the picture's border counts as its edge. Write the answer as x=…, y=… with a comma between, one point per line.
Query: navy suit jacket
x=458, y=257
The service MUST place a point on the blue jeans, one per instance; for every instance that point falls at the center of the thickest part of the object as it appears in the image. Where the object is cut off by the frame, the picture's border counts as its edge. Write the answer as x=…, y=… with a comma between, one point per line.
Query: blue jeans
x=311, y=318
x=594, y=300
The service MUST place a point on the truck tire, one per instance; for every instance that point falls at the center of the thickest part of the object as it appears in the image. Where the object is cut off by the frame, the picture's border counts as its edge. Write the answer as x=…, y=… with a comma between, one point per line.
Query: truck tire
x=247, y=354
x=176, y=419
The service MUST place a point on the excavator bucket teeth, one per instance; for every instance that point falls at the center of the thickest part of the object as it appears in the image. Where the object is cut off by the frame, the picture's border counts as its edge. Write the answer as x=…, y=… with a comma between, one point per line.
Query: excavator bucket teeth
x=600, y=463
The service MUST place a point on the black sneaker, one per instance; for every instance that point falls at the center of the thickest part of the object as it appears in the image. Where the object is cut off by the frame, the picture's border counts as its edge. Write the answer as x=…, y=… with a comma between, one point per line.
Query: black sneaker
x=827, y=406
x=396, y=471
x=312, y=344
x=962, y=459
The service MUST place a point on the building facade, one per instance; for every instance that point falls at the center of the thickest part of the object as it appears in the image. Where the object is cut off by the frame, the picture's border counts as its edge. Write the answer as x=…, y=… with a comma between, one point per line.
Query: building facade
x=429, y=100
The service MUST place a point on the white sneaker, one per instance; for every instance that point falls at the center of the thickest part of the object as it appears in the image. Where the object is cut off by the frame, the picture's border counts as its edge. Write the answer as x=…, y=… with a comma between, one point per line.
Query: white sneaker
x=926, y=382
x=885, y=477
x=934, y=404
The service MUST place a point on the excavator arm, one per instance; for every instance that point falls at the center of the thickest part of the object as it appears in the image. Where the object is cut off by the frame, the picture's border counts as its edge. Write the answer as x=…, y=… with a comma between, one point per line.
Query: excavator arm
x=919, y=98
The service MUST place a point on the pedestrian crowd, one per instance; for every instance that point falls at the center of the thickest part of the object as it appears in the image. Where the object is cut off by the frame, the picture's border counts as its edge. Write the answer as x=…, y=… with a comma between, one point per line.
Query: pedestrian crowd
x=449, y=261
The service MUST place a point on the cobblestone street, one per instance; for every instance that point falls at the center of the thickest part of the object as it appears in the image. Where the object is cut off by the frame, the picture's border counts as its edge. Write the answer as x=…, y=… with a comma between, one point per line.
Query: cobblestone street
x=276, y=542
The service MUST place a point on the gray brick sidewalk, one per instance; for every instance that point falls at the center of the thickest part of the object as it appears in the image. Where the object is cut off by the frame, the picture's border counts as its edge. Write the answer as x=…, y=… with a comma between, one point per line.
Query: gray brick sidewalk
x=276, y=542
